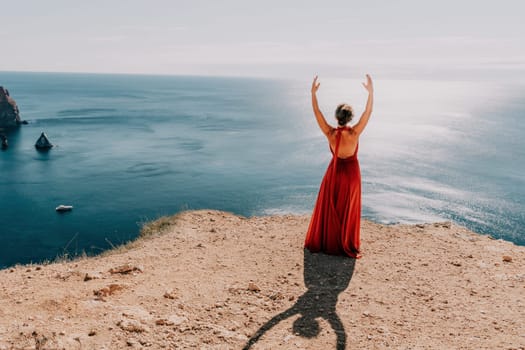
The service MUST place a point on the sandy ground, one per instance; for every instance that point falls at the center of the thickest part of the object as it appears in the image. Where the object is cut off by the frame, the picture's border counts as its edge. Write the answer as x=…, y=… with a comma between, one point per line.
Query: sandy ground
x=213, y=280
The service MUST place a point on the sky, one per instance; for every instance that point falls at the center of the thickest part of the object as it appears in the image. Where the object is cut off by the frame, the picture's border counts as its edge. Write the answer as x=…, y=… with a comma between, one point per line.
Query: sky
x=263, y=38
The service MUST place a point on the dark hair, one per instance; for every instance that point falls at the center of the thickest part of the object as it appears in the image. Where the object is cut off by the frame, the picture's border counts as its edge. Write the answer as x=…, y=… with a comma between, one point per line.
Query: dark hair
x=344, y=114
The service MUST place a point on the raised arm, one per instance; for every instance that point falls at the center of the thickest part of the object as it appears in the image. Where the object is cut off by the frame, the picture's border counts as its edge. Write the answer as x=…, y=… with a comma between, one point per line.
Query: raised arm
x=361, y=124
x=325, y=128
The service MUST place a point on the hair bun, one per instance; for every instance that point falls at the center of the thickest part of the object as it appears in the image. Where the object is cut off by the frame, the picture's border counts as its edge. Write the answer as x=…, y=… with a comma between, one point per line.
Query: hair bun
x=344, y=114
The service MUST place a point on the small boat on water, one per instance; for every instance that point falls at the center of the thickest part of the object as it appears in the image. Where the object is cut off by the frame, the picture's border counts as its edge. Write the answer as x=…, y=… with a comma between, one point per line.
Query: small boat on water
x=62, y=208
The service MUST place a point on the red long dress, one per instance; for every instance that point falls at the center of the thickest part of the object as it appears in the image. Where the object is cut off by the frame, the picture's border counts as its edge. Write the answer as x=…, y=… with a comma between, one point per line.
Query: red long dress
x=335, y=223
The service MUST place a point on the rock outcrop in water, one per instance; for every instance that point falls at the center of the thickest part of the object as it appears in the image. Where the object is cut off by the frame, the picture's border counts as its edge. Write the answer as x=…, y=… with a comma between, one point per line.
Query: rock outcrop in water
x=43, y=142
x=9, y=113
x=3, y=140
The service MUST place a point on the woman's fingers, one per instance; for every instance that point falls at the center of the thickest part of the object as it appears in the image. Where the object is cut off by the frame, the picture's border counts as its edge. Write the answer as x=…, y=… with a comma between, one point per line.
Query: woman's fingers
x=315, y=84
x=368, y=85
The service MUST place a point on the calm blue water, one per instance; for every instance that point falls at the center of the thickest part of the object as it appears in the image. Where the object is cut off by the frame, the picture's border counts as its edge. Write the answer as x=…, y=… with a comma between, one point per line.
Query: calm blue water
x=133, y=148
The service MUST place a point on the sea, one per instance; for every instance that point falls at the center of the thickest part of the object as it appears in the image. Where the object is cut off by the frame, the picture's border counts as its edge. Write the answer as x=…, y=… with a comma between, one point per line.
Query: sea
x=132, y=148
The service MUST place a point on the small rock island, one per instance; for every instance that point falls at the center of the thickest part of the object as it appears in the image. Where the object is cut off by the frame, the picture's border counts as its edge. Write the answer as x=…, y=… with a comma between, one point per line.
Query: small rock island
x=43, y=142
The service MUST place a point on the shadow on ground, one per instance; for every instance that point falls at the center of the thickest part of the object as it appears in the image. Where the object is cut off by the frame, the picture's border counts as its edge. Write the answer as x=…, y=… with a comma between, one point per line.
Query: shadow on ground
x=325, y=276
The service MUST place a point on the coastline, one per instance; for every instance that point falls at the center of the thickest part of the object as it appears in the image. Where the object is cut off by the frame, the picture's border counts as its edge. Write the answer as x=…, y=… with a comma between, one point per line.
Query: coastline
x=216, y=280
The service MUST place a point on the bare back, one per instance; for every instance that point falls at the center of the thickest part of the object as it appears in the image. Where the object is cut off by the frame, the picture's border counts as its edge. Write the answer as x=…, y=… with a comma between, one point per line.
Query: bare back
x=348, y=143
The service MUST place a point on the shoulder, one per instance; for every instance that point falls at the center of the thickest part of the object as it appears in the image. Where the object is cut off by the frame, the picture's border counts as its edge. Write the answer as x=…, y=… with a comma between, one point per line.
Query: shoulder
x=350, y=134
x=348, y=130
x=331, y=132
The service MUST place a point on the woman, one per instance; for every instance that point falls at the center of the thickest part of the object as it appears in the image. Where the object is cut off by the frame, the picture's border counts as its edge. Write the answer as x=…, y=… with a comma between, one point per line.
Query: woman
x=334, y=226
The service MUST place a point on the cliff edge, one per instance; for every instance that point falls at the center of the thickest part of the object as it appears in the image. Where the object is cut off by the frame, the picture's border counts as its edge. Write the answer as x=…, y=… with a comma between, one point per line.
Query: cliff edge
x=213, y=280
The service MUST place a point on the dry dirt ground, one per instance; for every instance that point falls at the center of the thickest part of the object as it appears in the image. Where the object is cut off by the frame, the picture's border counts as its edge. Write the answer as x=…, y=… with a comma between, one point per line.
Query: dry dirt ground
x=213, y=280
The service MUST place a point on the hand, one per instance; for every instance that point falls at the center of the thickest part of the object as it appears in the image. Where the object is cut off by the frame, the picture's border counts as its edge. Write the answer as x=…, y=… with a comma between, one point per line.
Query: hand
x=369, y=86
x=315, y=85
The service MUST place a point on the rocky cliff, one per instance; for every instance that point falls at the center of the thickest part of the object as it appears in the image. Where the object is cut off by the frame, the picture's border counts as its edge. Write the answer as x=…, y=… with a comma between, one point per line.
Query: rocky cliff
x=9, y=113
x=213, y=280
